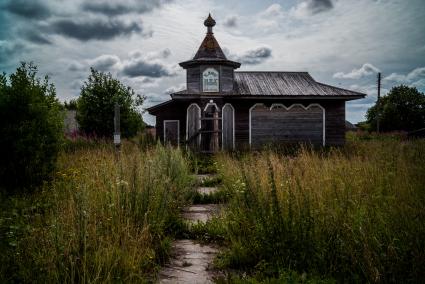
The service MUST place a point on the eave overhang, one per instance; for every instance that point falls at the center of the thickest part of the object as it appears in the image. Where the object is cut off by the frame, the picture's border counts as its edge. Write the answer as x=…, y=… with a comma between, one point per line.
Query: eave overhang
x=209, y=61
x=261, y=97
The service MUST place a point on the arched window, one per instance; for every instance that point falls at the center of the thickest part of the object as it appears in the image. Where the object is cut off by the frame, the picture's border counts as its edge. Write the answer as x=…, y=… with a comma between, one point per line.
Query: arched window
x=210, y=80
x=193, y=124
x=228, y=127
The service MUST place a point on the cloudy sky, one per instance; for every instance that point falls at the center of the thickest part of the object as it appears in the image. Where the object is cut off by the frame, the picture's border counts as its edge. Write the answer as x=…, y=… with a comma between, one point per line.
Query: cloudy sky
x=340, y=42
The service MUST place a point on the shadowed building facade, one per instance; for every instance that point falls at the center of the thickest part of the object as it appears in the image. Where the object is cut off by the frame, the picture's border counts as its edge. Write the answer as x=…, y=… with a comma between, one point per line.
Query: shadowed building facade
x=226, y=109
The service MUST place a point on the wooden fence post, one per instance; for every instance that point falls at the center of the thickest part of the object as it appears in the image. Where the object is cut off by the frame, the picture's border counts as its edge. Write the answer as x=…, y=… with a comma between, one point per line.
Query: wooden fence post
x=117, y=134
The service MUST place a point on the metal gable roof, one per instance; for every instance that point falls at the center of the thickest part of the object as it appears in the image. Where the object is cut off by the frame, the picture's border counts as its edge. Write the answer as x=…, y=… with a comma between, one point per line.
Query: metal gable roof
x=281, y=84
x=285, y=84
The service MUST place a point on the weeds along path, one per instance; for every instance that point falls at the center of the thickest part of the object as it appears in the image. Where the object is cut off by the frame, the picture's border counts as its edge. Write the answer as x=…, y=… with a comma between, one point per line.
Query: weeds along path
x=191, y=261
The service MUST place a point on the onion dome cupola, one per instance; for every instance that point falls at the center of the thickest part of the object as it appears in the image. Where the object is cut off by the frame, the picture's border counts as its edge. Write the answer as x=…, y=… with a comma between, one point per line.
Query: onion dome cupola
x=210, y=62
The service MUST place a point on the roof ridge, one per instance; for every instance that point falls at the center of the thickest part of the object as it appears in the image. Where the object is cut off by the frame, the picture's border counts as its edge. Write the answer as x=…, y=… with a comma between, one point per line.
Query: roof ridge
x=271, y=72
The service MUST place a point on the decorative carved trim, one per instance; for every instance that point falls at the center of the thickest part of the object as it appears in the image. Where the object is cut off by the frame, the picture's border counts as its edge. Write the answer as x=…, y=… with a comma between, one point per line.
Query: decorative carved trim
x=288, y=108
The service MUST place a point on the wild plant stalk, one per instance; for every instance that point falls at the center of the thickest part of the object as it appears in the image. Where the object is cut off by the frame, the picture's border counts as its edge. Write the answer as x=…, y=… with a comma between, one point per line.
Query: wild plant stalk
x=99, y=220
x=355, y=213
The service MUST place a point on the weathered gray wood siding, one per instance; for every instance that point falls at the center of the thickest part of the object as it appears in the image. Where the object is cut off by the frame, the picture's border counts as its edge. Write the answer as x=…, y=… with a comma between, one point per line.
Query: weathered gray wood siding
x=171, y=132
x=193, y=79
x=281, y=125
x=227, y=128
x=335, y=123
x=226, y=79
x=334, y=119
x=178, y=110
x=175, y=111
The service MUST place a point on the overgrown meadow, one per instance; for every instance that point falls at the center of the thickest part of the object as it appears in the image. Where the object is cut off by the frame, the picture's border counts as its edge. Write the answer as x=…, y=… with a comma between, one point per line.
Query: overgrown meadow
x=103, y=218
x=354, y=214
x=350, y=214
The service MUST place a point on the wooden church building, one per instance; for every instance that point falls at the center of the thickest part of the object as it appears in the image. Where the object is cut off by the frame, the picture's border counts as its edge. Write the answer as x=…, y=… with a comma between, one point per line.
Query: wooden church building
x=226, y=109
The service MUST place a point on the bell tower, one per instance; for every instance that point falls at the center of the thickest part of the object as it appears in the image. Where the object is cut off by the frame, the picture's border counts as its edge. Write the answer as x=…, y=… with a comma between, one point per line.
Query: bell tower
x=209, y=72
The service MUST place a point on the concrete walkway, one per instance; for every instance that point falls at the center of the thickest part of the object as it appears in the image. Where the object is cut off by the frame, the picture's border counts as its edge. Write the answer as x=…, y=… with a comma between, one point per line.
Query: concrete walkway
x=191, y=261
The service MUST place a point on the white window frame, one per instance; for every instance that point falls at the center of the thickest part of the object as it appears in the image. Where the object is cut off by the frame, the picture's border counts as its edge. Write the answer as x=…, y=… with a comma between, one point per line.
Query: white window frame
x=178, y=129
x=211, y=103
x=218, y=81
x=288, y=108
x=187, y=121
x=222, y=125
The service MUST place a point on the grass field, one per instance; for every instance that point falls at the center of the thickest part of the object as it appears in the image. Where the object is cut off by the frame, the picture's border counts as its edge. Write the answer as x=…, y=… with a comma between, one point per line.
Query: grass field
x=99, y=220
x=353, y=214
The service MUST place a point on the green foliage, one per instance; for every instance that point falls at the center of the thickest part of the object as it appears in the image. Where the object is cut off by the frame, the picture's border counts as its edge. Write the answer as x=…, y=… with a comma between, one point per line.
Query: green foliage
x=95, y=107
x=102, y=219
x=201, y=164
x=31, y=127
x=403, y=109
x=146, y=140
x=219, y=196
x=210, y=181
x=71, y=105
x=354, y=214
x=211, y=231
x=284, y=277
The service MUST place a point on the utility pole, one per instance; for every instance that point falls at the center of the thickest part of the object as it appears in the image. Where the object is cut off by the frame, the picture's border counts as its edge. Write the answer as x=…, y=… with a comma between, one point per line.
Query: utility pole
x=378, y=103
x=117, y=135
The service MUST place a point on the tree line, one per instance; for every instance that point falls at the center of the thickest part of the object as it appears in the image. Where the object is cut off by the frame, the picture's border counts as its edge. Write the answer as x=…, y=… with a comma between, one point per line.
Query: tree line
x=32, y=121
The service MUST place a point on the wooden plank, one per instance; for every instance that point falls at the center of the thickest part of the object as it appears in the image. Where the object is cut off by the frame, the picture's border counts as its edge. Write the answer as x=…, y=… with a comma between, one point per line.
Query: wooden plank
x=171, y=132
x=193, y=76
x=281, y=125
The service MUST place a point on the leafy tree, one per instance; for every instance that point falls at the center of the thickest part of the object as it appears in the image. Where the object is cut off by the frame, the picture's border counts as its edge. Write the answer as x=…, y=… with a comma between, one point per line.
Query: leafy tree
x=31, y=127
x=71, y=105
x=95, y=110
x=402, y=109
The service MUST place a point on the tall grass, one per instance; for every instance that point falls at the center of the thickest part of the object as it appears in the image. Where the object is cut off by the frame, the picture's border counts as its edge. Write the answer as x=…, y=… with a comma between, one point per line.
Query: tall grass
x=355, y=214
x=104, y=218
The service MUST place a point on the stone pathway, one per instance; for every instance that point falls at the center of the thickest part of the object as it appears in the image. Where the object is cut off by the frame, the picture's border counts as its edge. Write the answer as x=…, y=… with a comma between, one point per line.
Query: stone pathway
x=200, y=212
x=207, y=190
x=191, y=261
x=202, y=177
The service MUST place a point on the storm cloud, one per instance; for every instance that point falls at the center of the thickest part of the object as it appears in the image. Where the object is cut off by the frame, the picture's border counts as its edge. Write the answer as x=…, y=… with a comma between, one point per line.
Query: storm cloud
x=104, y=62
x=96, y=29
x=231, y=21
x=255, y=56
x=34, y=9
x=140, y=67
x=311, y=7
x=317, y=6
x=36, y=37
x=124, y=7
x=8, y=50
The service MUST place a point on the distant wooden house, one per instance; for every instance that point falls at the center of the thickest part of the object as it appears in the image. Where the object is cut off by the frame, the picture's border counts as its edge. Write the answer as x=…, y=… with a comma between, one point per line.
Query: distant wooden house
x=349, y=126
x=225, y=109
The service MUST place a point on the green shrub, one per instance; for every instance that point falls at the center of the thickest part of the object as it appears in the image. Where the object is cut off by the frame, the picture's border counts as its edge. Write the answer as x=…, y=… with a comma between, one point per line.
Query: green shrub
x=95, y=106
x=31, y=127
